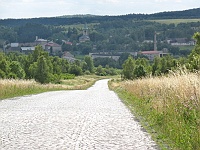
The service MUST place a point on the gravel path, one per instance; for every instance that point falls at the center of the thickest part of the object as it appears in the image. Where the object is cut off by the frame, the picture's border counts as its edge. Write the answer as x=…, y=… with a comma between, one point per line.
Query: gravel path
x=93, y=119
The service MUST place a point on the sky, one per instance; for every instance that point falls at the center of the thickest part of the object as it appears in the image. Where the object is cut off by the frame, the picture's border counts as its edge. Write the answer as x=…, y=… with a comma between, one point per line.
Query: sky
x=51, y=8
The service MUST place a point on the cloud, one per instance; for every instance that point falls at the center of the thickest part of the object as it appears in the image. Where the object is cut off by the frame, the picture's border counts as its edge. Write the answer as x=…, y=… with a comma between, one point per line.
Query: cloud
x=47, y=8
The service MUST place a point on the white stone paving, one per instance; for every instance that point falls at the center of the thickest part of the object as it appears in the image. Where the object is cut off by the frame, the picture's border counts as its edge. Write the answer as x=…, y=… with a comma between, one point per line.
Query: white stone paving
x=93, y=119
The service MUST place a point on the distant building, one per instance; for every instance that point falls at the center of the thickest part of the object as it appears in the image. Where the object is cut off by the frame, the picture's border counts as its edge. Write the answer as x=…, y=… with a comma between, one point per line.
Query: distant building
x=85, y=37
x=14, y=44
x=14, y=47
x=27, y=50
x=155, y=53
x=181, y=42
x=68, y=56
x=39, y=41
x=115, y=56
x=53, y=48
x=97, y=55
x=152, y=54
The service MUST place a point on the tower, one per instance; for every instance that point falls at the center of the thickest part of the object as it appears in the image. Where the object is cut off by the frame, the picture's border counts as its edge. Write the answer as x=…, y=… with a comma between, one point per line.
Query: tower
x=85, y=36
x=85, y=30
x=155, y=42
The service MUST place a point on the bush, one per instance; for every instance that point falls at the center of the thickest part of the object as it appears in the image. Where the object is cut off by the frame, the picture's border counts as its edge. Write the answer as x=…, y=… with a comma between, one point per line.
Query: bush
x=76, y=70
x=67, y=76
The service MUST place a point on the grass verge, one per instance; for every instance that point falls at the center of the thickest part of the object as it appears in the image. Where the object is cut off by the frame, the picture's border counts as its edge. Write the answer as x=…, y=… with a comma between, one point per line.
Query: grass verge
x=13, y=88
x=168, y=107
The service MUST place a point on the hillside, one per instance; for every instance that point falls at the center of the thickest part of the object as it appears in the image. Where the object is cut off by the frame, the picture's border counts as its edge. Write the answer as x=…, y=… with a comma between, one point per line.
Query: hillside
x=77, y=19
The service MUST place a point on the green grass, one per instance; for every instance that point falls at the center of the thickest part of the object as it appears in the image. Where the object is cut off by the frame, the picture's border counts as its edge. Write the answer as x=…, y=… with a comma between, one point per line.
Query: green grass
x=80, y=57
x=80, y=26
x=175, y=21
x=186, y=47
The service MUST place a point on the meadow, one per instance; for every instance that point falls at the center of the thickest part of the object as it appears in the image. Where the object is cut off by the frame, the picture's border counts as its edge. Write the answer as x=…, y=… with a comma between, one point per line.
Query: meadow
x=167, y=106
x=175, y=21
x=10, y=88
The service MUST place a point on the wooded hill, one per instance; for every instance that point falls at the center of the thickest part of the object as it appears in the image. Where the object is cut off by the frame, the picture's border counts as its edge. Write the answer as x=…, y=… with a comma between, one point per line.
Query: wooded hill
x=125, y=33
x=80, y=19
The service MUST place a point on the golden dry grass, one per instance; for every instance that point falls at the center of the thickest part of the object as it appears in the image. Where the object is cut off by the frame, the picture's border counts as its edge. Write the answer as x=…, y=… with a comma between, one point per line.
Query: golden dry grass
x=181, y=86
x=170, y=104
x=11, y=88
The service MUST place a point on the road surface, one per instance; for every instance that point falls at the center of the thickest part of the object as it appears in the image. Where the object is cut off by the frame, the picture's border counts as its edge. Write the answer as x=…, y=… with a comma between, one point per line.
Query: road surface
x=93, y=119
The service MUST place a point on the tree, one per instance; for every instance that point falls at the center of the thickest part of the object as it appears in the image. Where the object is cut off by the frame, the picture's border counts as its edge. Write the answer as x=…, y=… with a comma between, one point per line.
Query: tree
x=16, y=69
x=128, y=68
x=100, y=71
x=156, y=66
x=42, y=71
x=197, y=37
x=38, y=52
x=67, y=47
x=75, y=69
x=194, y=57
x=139, y=71
x=90, y=64
x=57, y=65
x=122, y=58
x=85, y=48
x=4, y=66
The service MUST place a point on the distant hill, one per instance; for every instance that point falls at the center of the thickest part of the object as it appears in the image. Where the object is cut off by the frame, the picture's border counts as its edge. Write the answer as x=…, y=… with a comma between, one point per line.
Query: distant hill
x=185, y=14
x=81, y=19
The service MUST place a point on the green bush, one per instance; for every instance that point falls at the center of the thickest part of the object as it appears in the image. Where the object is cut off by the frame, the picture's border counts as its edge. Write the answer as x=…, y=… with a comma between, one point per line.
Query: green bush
x=67, y=76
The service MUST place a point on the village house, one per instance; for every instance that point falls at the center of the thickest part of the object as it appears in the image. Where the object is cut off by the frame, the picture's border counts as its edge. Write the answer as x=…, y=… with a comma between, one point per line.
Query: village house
x=53, y=48
x=68, y=56
x=13, y=47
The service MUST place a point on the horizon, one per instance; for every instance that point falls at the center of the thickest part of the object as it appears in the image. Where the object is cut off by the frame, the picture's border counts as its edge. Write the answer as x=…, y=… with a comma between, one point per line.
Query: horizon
x=28, y=9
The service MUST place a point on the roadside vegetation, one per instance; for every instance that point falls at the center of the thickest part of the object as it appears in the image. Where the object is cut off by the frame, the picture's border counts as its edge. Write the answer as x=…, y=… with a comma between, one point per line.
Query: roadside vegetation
x=166, y=99
x=167, y=106
x=10, y=88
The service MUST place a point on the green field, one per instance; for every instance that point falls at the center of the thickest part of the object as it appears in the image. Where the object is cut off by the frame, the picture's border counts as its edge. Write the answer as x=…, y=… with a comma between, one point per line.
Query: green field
x=186, y=47
x=175, y=21
x=80, y=26
x=80, y=57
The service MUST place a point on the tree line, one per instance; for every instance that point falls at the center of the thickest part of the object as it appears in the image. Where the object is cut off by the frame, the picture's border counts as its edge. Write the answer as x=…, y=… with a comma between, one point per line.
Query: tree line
x=138, y=68
x=45, y=69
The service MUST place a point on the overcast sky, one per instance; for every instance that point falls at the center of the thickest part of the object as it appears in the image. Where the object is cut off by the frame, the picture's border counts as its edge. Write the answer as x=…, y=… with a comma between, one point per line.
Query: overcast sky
x=51, y=8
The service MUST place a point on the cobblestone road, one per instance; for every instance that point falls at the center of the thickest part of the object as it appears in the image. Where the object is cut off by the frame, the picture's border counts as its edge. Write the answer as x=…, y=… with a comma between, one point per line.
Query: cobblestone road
x=93, y=119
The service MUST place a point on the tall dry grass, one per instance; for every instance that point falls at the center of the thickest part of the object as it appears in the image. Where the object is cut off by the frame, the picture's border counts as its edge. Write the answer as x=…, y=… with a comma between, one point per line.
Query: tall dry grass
x=12, y=88
x=171, y=105
x=181, y=87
